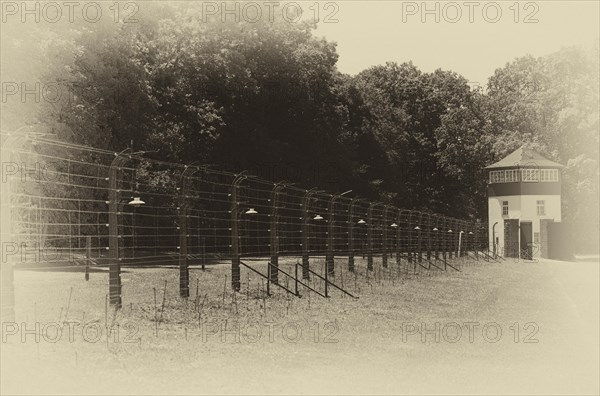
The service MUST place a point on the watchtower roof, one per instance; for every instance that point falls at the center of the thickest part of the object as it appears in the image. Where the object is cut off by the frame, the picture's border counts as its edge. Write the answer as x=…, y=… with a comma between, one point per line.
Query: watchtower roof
x=524, y=157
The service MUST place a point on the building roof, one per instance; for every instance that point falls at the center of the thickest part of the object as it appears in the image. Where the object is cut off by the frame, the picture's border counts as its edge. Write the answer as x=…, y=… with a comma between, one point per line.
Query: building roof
x=524, y=157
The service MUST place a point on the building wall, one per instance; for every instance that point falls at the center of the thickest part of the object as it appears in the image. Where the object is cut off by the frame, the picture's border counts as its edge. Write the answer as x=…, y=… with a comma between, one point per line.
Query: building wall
x=495, y=215
x=524, y=208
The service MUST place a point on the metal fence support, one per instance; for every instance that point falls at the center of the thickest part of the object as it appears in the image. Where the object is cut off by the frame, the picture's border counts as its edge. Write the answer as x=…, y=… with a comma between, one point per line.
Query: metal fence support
x=384, y=259
x=88, y=256
x=410, y=236
x=330, y=260
x=370, y=236
x=442, y=237
x=114, y=268
x=460, y=241
x=420, y=238
x=329, y=257
x=274, y=232
x=351, y=235
x=398, y=238
x=451, y=238
x=305, y=232
x=235, y=233
x=7, y=312
x=184, y=272
x=427, y=227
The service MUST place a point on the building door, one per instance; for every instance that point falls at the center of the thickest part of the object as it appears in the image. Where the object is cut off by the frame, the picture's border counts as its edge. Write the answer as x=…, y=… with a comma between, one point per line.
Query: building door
x=526, y=241
x=511, y=238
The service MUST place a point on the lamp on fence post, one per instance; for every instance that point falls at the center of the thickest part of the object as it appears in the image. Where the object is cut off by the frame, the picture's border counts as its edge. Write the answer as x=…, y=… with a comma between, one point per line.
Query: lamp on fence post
x=274, y=232
x=184, y=274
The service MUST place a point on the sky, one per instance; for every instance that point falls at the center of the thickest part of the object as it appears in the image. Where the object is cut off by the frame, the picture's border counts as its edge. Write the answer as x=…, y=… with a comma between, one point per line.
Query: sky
x=371, y=33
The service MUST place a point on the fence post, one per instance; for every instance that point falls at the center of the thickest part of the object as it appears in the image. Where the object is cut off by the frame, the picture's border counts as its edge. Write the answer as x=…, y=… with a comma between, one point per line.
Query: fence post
x=203, y=252
x=235, y=247
x=114, y=268
x=450, y=237
x=296, y=279
x=351, y=235
x=419, y=238
x=398, y=237
x=274, y=232
x=7, y=311
x=384, y=258
x=443, y=240
x=330, y=260
x=184, y=273
x=88, y=256
x=427, y=228
x=305, y=230
x=410, y=237
x=460, y=239
x=370, y=236
x=436, y=237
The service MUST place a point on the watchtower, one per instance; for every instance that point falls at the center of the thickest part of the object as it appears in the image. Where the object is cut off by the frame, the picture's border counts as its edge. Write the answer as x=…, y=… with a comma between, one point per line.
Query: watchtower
x=524, y=195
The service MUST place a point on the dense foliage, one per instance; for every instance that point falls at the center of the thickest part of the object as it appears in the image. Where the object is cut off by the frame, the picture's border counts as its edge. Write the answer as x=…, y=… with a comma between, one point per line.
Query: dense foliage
x=268, y=97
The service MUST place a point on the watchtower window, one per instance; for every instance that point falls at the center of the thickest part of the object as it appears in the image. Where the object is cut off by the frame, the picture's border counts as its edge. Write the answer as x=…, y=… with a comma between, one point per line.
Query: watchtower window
x=511, y=175
x=504, y=208
x=530, y=175
x=549, y=175
x=541, y=208
x=497, y=177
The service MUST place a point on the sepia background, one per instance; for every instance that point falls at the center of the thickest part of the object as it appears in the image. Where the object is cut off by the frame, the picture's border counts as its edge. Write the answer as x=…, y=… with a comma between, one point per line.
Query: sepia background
x=229, y=146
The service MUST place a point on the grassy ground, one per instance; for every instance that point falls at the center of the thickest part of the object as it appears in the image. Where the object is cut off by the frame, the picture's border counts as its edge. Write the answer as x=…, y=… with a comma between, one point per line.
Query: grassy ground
x=220, y=342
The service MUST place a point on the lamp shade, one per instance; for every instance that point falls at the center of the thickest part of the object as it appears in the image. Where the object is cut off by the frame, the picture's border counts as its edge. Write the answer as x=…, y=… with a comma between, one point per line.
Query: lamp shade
x=251, y=211
x=361, y=221
x=394, y=225
x=318, y=217
x=136, y=201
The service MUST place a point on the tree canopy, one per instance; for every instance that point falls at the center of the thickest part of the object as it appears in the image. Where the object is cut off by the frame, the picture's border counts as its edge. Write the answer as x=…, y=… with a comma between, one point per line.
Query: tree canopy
x=267, y=96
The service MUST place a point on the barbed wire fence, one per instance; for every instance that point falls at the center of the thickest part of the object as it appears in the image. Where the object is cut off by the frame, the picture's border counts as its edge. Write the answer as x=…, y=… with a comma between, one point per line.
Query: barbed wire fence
x=66, y=205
